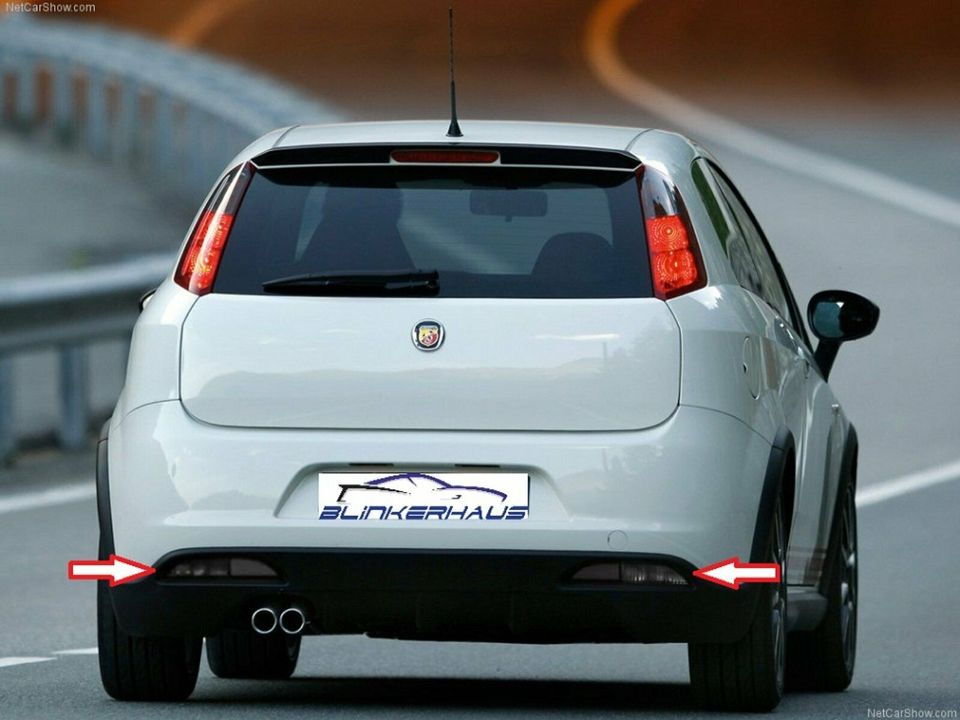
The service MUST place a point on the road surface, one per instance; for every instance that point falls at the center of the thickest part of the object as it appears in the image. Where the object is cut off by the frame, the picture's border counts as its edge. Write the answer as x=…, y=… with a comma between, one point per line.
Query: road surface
x=523, y=59
x=908, y=655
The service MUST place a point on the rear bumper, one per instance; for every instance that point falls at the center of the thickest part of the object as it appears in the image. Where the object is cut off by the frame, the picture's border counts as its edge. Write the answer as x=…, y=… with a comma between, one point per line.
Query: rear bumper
x=689, y=488
x=441, y=595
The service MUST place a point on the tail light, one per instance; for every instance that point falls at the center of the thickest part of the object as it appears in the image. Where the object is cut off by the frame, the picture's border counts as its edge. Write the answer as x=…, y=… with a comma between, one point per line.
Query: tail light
x=201, y=258
x=675, y=263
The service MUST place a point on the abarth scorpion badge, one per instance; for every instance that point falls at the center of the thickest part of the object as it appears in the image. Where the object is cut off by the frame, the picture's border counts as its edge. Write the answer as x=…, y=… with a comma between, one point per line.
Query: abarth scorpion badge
x=428, y=335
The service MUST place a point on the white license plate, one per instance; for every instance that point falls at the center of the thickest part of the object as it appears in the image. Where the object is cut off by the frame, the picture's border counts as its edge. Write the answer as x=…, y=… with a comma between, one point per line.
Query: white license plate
x=449, y=497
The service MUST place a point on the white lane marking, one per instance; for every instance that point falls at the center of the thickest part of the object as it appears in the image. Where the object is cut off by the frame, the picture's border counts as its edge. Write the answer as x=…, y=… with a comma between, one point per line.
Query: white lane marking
x=47, y=498
x=11, y=661
x=905, y=484
x=78, y=651
x=602, y=57
x=869, y=495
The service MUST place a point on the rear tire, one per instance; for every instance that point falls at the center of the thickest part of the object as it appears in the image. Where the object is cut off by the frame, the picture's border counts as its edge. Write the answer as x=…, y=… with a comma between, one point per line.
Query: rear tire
x=136, y=668
x=245, y=654
x=823, y=659
x=748, y=675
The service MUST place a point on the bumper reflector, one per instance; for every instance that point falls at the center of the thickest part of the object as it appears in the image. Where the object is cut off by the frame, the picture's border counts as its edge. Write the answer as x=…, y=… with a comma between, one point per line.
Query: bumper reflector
x=634, y=573
x=221, y=568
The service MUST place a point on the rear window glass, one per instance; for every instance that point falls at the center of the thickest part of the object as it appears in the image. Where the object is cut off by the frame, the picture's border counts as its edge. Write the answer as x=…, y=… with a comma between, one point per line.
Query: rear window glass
x=487, y=232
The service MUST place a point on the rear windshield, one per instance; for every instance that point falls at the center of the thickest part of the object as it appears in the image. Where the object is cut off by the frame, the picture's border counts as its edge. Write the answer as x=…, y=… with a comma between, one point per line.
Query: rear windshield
x=486, y=232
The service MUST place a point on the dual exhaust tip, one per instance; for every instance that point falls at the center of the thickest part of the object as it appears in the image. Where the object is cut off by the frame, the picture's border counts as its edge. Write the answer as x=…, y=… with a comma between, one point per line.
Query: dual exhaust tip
x=265, y=620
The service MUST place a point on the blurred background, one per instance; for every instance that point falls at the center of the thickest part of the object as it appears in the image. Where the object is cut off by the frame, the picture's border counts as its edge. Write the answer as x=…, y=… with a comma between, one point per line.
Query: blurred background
x=117, y=117
x=839, y=121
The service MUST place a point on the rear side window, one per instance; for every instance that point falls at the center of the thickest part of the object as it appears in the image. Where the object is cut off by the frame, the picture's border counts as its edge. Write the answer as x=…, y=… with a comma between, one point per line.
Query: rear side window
x=766, y=284
x=731, y=238
x=487, y=232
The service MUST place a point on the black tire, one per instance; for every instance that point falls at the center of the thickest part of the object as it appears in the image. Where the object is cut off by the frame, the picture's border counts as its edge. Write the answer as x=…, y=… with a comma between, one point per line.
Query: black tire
x=823, y=659
x=246, y=654
x=135, y=668
x=748, y=675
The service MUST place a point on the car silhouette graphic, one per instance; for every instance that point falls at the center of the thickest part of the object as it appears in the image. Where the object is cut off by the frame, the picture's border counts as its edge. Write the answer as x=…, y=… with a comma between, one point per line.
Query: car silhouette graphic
x=416, y=489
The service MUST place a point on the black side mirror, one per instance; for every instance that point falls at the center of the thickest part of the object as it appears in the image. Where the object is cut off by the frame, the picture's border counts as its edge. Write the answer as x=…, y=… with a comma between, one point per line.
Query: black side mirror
x=145, y=298
x=838, y=316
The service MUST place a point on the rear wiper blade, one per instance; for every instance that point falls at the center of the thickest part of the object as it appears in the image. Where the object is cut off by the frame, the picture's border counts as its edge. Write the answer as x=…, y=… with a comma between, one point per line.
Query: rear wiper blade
x=417, y=282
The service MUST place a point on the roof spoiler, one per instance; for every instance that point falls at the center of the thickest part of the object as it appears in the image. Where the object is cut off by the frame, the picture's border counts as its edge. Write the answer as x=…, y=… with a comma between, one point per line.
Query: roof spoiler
x=529, y=155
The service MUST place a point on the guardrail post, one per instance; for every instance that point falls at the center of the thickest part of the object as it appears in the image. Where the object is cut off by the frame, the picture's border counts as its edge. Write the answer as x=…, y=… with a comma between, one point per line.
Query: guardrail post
x=162, y=131
x=74, y=397
x=62, y=100
x=6, y=65
x=26, y=105
x=128, y=121
x=8, y=437
x=96, y=120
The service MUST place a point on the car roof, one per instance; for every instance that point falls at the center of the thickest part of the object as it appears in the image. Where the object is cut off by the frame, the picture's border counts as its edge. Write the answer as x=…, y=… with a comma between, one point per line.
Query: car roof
x=667, y=149
x=486, y=132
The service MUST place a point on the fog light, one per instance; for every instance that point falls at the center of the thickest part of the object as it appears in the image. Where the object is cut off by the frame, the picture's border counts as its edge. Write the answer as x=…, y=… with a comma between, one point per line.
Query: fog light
x=247, y=568
x=648, y=574
x=635, y=573
x=201, y=567
x=599, y=572
x=221, y=568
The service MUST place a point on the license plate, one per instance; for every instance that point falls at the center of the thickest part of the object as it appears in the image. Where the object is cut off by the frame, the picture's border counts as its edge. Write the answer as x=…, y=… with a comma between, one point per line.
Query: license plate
x=449, y=497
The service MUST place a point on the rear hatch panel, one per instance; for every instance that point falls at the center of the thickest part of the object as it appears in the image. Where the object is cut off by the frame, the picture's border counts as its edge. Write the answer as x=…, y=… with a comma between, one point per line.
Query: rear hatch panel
x=505, y=364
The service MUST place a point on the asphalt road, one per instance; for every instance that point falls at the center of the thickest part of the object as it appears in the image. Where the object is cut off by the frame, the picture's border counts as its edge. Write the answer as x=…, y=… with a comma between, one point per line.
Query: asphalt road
x=526, y=60
x=909, y=649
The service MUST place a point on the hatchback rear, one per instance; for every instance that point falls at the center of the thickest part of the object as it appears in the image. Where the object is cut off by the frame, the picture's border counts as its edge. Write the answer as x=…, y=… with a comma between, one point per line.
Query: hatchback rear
x=539, y=278
x=427, y=390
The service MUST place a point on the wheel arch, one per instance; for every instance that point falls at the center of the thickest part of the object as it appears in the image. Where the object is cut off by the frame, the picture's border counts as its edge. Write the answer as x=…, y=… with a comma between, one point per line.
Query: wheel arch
x=780, y=476
x=104, y=515
x=848, y=475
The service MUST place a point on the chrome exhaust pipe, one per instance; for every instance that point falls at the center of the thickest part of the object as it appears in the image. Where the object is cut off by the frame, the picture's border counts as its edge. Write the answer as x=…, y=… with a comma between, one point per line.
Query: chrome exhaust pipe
x=264, y=620
x=293, y=621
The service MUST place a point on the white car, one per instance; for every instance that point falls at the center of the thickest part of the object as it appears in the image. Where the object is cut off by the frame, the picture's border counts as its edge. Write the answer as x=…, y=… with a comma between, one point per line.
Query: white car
x=525, y=385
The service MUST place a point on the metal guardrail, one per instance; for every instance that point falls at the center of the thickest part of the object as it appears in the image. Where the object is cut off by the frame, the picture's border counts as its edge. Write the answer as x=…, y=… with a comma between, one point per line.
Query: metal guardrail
x=180, y=115
x=175, y=116
x=68, y=310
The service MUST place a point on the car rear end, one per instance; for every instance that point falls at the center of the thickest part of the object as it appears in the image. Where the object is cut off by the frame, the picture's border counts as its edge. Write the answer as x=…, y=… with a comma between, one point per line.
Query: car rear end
x=430, y=391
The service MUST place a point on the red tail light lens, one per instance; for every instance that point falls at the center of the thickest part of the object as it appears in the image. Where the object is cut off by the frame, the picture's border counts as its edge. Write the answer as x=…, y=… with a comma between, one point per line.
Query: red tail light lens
x=198, y=269
x=672, y=262
x=201, y=258
x=445, y=156
x=675, y=264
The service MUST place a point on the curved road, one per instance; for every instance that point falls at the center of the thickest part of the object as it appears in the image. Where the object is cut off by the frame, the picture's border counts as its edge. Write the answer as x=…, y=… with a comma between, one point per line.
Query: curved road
x=531, y=60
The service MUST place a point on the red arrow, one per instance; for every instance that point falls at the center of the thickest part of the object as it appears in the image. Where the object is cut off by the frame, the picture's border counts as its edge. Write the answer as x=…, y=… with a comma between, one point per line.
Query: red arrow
x=730, y=573
x=118, y=570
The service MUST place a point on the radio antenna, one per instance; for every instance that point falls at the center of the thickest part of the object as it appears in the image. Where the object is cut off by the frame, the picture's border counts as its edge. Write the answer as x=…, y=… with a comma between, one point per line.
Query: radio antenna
x=454, y=129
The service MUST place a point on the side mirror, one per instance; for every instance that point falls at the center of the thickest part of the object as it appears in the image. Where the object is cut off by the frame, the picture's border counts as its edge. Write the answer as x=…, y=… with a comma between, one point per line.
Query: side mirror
x=838, y=316
x=146, y=297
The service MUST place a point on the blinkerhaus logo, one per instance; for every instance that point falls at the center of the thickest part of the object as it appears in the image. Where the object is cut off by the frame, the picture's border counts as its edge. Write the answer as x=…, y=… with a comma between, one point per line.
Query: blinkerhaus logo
x=489, y=497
